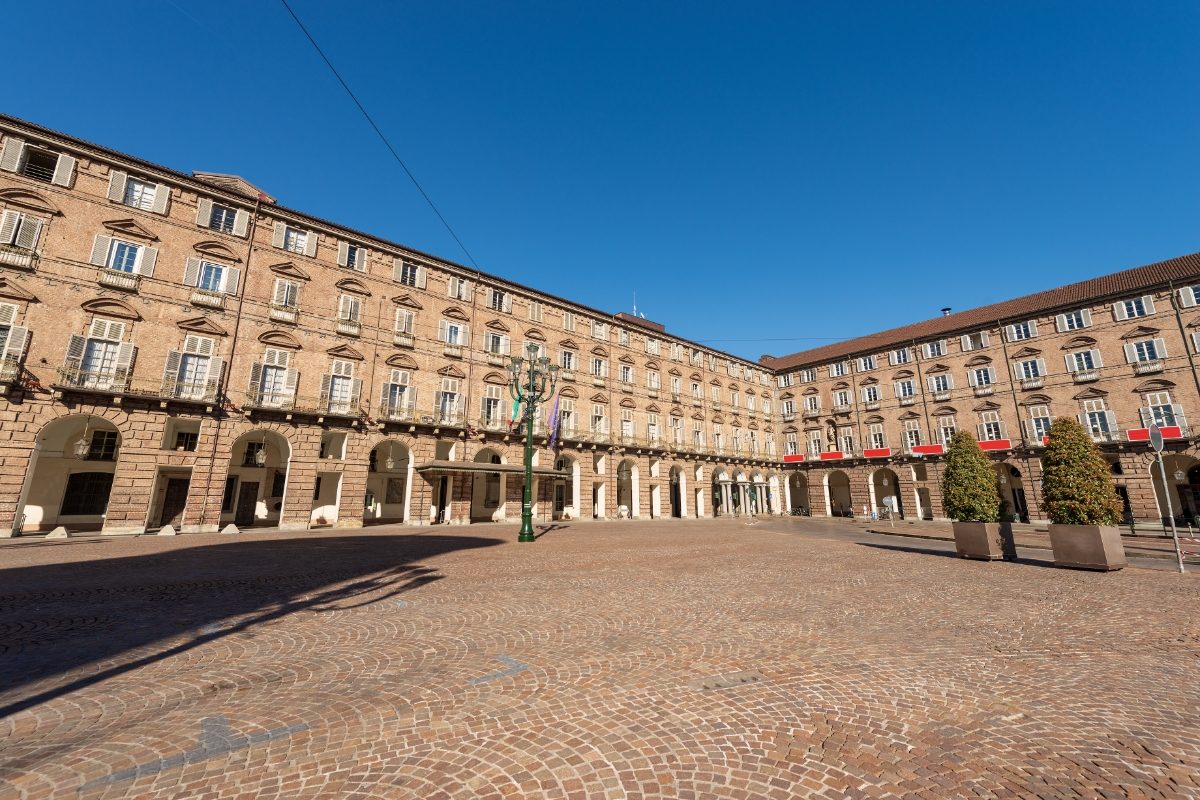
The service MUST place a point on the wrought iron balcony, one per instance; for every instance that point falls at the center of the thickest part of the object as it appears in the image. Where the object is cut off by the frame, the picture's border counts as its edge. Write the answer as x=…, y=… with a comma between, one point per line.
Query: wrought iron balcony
x=115, y=279
x=338, y=406
x=283, y=313
x=1147, y=367
x=10, y=370
x=105, y=382
x=397, y=412
x=194, y=391
x=203, y=297
x=403, y=339
x=349, y=327
x=19, y=257
x=271, y=399
x=496, y=422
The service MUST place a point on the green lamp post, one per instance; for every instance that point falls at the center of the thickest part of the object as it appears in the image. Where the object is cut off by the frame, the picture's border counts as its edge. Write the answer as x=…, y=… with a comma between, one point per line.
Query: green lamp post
x=531, y=380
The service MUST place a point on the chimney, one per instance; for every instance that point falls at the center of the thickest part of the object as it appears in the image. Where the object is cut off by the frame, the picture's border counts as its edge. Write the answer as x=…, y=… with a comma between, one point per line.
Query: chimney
x=946, y=311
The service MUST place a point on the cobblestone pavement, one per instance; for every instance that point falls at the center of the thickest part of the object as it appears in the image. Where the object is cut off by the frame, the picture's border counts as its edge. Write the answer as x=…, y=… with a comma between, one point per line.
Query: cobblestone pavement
x=702, y=659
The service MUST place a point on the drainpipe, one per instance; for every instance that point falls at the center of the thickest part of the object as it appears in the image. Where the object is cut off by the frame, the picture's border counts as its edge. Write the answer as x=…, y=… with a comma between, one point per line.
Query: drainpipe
x=1183, y=336
x=1012, y=384
x=224, y=383
x=374, y=354
x=921, y=384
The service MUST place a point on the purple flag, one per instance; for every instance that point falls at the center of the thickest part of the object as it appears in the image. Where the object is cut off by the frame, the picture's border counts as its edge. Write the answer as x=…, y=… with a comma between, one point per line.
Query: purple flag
x=554, y=423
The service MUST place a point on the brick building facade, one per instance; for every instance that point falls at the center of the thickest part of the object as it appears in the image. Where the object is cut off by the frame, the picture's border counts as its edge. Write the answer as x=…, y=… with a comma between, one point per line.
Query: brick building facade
x=180, y=349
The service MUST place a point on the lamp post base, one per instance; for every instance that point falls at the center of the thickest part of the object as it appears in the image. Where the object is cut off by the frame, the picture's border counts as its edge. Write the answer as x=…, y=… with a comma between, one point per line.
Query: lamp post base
x=526, y=534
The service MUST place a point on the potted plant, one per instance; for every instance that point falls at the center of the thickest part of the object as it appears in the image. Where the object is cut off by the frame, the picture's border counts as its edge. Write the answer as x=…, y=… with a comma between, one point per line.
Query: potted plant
x=1080, y=500
x=972, y=500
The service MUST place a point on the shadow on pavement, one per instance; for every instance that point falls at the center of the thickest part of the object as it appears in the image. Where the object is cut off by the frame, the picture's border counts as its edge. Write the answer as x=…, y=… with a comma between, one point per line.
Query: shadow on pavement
x=55, y=618
x=931, y=551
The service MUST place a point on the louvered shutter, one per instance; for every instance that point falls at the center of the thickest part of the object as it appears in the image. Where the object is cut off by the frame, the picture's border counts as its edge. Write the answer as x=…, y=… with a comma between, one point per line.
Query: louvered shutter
x=1087, y=318
x=149, y=257
x=126, y=352
x=241, y=222
x=1160, y=348
x=508, y=303
x=971, y=377
x=231, y=279
x=1017, y=372
x=355, y=393
x=10, y=156
x=965, y=343
x=397, y=269
x=28, y=233
x=216, y=370
x=1010, y=332
x=191, y=272
x=1130, y=354
x=326, y=380
x=1060, y=323
x=1147, y=417
x=278, y=236
x=1041, y=365
x=1196, y=341
x=1099, y=362
x=116, y=185
x=75, y=349
x=14, y=345
x=363, y=261
x=466, y=336
x=200, y=345
x=1148, y=301
x=1111, y=416
x=290, y=379
x=1118, y=309
x=1032, y=328
x=991, y=375
x=203, y=212
x=468, y=291
x=1187, y=296
x=421, y=277
x=256, y=371
x=171, y=372
x=8, y=313
x=8, y=226
x=442, y=332
x=100, y=247
x=64, y=170
x=162, y=199
x=310, y=244
x=1070, y=359
x=343, y=254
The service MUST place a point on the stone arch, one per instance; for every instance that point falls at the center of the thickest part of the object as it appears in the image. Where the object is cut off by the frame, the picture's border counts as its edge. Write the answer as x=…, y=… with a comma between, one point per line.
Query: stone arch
x=390, y=472
x=256, y=487
x=839, y=501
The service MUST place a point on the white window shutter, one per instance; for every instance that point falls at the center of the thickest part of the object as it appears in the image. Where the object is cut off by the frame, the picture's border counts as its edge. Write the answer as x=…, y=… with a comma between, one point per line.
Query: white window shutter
x=203, y=212
x=343, y=254
x=1187, y=296
x=1196, y=341
x=1060, y=323
x=420, y=277
x=468, y=291
x=1087, y=318
x=1118, y=309
x=355, y=392
x=326, y=380
x=255, y=378
x=344, y=309
x=1130, y=354
x=171, y=371
x=1070, y=359
x=216, y=368
x=8, y=226
x=310, y=244
x=965, y=343
x=1148, y=301
x=126, y=352
x=28, y=233
x=397, y=269
x=1160, y=347
x=100, y=246
x=983, y=338
x=1099, y=362
x=466, y=335
x=290, y=379
x=116, y=185
x=64, y=171
x=241, y=222
x=14, y=345
x=147, y=260
x=1111, y=416
x=363, y=260
x=162, y=199
x=231, y=279
x=10, y=155
x=8, y=313
x=508, y=302
x=75, y=349
x=442, y=332
x=1041, y=365
x=280, y=232
x=1032, y=328
x=1016, y=368
x=191, y=272
x=1010, y=332
x=991, y=375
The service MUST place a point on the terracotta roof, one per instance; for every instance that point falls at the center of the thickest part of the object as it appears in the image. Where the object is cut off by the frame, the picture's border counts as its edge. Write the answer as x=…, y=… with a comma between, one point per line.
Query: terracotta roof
x=1177, y=270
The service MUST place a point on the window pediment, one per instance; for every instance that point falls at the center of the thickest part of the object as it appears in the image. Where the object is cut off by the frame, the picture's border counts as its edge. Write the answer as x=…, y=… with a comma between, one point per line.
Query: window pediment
x=627, y=403
x=110, y=307
x=1140, y=332
x=599, y=397
x=569, y=392
x=786, y=396
x=676, y=411
x=533, y=334
x=936, y=368
x=979, y=361
x=1026, y=352
x=287, y=269
x=1157, y=385
x=696, y=376
x=454, y=312
x=791, y=429
x=202, y=325
x=811, y=391
x=401, y=360
x=1079, y=341
x=910, y=415
x=14, y=291
x=718, y=419
x=407, y=301
x=27, y=199
x=841, y=385
x=130, y=227
x=216, y=250
x=495, y=378
x=904, y=373
x=868, y=382
x=279, y=339
x=568, y=344
x=652, y=364
x=345, y=351
x=625, y=359
x=451, y=371
x=874, y=419
x=696, y=415
x=1035, y=400
x=353, y=286
x=496, y=325
x=599, y=351
x=1088, y=394
x=987, y=406
x=675, y=372
x=944, y=411
x=652, y=408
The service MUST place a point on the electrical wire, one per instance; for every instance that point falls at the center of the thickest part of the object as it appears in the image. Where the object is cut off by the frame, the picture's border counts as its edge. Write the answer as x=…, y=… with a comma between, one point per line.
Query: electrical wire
x=379, y=133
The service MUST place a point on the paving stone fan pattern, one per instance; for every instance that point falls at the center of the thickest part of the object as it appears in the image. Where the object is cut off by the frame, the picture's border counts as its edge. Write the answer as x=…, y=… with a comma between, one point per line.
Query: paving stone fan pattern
x=618, y=660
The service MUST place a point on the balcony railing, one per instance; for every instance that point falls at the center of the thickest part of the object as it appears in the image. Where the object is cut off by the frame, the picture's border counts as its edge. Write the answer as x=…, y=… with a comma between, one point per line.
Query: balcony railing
x=841, y=408
x=908, y=401
x=1085, y=375
x=402, y=339
x=115, y=279
x=789, y=417
x=1105, y=436
x=1147, y=367
x=1033, y=383
x=271, y=398
x=941, y=397
x=716, y=405
x=38, y=171
x=10, y=370
x=349, y=327
x=566, y=375
x=697, y=402
x=676, y=397
x=495, y=359
x=452, y=350
x=809, y=413
x=195, y=391
x=984, y=391
x=496, y=422
x=20, y=257
x=397, y=412
x=626, y=387
x=108, y=382
x=598, y=380
x=283, y=313
x=652, y=392
x=447, y=416
x=203, y=297
x=338, y=406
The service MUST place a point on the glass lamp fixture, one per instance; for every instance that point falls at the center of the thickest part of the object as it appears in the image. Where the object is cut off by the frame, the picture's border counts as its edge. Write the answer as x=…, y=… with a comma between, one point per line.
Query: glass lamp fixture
x=83, y=446
x=260, y=458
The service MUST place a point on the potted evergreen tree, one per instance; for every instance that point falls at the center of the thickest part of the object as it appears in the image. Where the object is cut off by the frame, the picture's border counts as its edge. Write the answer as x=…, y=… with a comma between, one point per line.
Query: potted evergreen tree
x=1080, y=500
x=972, y=500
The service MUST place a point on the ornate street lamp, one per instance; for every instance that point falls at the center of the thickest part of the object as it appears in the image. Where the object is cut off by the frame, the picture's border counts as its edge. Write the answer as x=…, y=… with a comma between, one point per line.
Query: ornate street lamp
x=531, y=380
x=83, y=447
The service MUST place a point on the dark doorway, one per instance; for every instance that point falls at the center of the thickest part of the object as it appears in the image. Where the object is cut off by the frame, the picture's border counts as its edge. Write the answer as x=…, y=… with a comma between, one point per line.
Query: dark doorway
x=443, y=490
x=174, y=501
x=247, y=501
x=676, y=509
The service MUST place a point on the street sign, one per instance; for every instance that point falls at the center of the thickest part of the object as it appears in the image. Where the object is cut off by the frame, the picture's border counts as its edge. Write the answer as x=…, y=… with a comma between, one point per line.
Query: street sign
x=1156, y=438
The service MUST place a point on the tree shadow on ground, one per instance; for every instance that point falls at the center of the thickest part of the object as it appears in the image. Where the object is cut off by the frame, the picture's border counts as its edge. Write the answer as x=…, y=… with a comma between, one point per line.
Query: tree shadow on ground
x=55, y=618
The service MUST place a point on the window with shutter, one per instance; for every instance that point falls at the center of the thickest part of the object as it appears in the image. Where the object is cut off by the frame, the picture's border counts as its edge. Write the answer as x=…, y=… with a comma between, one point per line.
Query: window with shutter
x=21, y=231
x=286, y=294
x=405, y=320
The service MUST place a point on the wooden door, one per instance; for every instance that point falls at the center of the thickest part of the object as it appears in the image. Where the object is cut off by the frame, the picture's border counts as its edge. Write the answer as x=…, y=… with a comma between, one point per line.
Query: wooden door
x=174, y=501
x=246, y=503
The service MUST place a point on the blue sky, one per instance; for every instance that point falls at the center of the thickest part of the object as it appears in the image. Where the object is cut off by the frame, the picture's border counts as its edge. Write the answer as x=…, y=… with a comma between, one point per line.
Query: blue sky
x=777, y=174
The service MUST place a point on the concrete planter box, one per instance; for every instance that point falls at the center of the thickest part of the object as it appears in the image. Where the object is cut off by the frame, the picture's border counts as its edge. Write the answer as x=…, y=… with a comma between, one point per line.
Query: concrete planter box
x=1087, y=547
x=978, y=540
